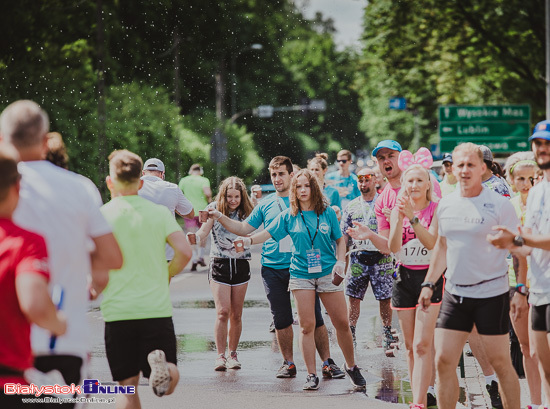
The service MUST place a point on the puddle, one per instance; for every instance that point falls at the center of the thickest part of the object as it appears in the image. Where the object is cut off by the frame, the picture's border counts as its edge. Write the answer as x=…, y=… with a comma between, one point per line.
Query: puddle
x=192, y=343
x=210, y=304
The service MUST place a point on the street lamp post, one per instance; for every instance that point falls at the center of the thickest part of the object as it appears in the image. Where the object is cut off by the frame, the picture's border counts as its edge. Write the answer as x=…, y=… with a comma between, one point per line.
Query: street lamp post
x=234, y=57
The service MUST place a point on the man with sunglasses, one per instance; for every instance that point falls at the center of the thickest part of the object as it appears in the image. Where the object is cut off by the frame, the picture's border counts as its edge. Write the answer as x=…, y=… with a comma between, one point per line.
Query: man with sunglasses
x=449, y=182
x=343, y=179
x=365, y=262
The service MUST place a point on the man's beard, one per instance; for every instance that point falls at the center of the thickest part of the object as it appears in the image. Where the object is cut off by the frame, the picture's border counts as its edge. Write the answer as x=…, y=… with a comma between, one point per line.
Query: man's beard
x=543, y=166
x=365, y=191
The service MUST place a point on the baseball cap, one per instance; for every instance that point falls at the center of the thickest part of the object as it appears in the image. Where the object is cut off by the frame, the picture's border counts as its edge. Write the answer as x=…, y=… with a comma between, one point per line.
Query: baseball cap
x=447, y=158
x=153, y=164
x=487, y=154
x=388, y=143
x=541, y=131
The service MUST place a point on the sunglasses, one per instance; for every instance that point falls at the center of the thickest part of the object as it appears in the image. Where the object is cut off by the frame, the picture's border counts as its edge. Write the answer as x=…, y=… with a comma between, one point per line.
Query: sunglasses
x=342, y=160
x=364, y=178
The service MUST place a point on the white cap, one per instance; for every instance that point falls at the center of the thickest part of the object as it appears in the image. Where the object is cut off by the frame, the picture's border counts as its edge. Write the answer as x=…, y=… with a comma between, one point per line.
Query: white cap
x=153, y=164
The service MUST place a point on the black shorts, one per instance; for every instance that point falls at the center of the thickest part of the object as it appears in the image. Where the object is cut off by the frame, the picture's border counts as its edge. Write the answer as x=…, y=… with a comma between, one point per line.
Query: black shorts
x=407, y=287
x=490, y=315
x=229, y=271
x=128, y=343
x=540, y=317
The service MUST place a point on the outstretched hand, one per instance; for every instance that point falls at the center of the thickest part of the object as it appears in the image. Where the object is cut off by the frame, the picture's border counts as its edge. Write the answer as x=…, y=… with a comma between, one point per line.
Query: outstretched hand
x=504, y=238
x=359, y=232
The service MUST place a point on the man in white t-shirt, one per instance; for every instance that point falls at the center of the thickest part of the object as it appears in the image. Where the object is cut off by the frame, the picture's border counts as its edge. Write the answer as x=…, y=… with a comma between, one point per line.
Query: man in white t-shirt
x=535, y=240
x=63, y=207
x=159, y=191
x=476, y=290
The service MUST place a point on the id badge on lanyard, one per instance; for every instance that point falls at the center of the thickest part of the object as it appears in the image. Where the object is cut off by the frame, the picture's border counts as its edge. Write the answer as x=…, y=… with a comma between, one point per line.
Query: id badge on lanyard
x=313, y=255
x=314, y=261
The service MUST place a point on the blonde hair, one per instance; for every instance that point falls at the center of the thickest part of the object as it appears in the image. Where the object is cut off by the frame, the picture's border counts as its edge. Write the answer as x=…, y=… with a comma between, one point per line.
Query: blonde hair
x=318, y=199
x=468, y=147
x=519, y=160
x=319, y=159
x=426, y=171
x=245, y=207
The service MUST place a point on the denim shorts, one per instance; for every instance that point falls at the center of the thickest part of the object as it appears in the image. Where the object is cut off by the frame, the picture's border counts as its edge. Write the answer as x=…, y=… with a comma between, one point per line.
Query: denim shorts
x=320, y=285
x=276, y=283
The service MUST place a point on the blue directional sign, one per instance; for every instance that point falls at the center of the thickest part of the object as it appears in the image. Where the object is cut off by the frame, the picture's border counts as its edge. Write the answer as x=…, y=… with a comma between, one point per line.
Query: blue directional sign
x=399, y=103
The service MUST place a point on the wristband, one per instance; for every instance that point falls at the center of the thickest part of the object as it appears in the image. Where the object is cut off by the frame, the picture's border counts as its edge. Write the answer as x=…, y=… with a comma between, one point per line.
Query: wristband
x=522, y=289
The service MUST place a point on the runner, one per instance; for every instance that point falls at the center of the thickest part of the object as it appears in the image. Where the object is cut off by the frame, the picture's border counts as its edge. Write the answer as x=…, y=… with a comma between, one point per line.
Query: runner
x=491, y=180
x=63, y=207
x=229, y=271
x=136, y=306
x=197, y=189
x=449, y=182
x=343, y=179
x=413, y=234
x=534, y=239
x=366, y=263
x=310, y=270
x=520, y=169
x=318, y=165
x=159, y=191
x=275, y=272
x=476, y=279
x=24, y=280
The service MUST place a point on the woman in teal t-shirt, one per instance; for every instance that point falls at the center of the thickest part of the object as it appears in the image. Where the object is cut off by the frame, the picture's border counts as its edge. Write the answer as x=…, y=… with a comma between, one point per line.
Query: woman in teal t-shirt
x=313, y=227
x=319, y=166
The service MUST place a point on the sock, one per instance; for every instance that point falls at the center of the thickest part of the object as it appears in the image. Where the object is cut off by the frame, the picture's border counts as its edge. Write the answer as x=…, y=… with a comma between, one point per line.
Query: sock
x=431, y=390
x=326, y=363
x=489, y=379
x=290, y=363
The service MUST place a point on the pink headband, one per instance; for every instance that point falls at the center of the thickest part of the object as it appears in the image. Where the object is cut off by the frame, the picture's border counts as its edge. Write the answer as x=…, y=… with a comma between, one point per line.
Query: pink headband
x=422, y=157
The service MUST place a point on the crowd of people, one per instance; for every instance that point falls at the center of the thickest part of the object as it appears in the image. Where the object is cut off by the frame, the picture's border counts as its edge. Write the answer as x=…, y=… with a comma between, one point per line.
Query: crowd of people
x=461, y=260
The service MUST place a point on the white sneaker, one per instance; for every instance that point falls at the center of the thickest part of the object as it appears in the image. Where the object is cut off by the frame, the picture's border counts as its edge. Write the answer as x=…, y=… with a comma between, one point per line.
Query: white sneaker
x=220, y=364
x=160, y=378
x=233, y=362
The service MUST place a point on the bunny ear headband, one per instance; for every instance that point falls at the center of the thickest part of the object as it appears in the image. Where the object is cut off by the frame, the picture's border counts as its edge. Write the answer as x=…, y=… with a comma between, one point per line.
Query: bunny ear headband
x=422, y=157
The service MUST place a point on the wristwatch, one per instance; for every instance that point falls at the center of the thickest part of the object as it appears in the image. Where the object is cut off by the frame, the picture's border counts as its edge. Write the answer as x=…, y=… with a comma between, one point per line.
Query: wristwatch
x=522, y=289
x=518, y=241
x=415, y=220
x=428, y=284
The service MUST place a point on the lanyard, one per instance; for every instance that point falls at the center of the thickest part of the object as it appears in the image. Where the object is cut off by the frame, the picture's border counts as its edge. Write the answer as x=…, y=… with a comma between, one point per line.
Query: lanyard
x=366, y=218
x=279, y=204
x=308, y=232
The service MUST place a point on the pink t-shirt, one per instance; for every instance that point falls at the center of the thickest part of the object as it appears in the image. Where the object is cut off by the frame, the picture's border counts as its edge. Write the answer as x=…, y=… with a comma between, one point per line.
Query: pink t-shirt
x=388, y=197
x=425, y=216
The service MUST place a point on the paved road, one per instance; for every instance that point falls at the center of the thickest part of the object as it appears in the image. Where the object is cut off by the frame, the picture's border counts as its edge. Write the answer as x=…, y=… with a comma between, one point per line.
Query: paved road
x=255, y=384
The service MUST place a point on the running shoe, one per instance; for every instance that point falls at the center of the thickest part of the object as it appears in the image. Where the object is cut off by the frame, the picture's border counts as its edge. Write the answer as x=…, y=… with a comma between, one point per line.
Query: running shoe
x=194, y=267
x=221, y=363
x=355, y=376
x=312, y=382
x=431, y=401
x=286, y=370
x=496, y=402
x=232, y=362
x=332, y=371
x=201, y=262
x=272, y=327
x=159, y=379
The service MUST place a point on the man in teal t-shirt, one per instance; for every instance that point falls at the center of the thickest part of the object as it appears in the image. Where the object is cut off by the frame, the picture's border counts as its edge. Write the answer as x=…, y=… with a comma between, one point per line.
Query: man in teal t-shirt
x=136, y=306
x=197, y=189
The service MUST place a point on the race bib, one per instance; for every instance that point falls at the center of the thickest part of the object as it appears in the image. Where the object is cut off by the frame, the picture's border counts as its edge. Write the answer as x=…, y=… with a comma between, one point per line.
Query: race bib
x=314, y=261
x=365, y=245
x=285, y=245
x=414, y=254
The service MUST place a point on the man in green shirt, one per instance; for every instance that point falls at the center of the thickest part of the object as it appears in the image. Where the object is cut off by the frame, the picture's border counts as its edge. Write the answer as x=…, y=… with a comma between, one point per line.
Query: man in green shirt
x=136, y=306
x=197, y=189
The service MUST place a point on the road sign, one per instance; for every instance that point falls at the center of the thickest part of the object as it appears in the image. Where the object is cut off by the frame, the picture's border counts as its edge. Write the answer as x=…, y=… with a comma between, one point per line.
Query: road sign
x=503, y=128
x=399, y=103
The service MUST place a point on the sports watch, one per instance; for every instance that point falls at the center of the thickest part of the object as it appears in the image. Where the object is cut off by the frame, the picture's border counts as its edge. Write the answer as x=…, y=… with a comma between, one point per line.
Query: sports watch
x=415, y=220
x=428, y=284
x=522, y=289
x=518, y=241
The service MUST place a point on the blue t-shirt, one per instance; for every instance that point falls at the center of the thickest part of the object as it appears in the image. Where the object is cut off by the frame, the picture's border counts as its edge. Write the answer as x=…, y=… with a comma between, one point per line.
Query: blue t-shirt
x=328, y=232
x=264, y=213
x=333, y=196
x=334, y=179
